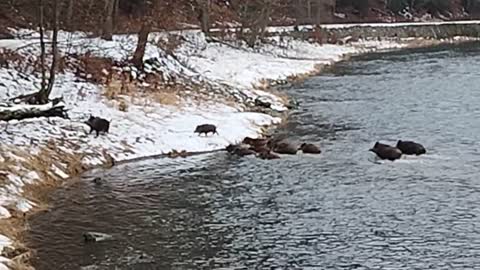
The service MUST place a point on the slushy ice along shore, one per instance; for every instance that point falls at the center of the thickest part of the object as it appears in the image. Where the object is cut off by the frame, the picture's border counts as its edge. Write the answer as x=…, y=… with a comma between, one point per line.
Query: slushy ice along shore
x=186, y=81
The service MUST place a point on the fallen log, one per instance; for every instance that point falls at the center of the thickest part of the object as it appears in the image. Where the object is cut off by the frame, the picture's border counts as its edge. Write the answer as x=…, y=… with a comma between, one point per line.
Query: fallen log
x=20, y=112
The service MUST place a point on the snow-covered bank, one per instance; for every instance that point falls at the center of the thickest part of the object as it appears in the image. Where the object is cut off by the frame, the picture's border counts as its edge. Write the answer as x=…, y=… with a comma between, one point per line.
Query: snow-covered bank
x=43, y=150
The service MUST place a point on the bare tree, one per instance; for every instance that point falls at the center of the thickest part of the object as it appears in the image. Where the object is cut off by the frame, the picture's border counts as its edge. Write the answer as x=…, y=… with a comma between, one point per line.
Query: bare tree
x=45, y=94
x=42, y=96
x=314, y=11
x=116, y=8
x=139, y=53
x=254, y=16
x=204, y=15
x=43, y=84
x=154, y=14
x=108, y=23
x=68, y=15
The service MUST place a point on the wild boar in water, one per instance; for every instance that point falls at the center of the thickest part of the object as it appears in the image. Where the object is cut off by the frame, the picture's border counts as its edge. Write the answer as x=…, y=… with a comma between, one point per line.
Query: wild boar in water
x=283, y=147
x=385, y=151
x=98, y=125
x=267, y=155
x=260, y=148
x=255, y=142
x=309, y=148
x=411, y=148
x=239, y=150
x=205, y=129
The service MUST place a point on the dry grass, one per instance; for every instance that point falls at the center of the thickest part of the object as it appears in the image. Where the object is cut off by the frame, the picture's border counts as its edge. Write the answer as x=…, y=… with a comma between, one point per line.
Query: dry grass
x=158, y=92
x=319, y=68
x=14, y=228
x=170, y=44
x=92, y=68
x=123, y=106
x=110, y=162
x=300, y=77
x=169, y=97
x=281, y=95
x=21, y=265
x=119, y=84
x=10, y=58
x=176, y=154
x=263, y=84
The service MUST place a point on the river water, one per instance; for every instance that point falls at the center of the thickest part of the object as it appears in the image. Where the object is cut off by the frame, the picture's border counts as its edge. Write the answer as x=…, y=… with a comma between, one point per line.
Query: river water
x=340, y=210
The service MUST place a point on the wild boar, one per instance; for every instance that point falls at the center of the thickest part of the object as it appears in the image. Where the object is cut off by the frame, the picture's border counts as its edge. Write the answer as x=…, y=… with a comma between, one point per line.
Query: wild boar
x=98, y=125
x=385, y=151
x=205, y=129
x=411, y=148
x=309, y=148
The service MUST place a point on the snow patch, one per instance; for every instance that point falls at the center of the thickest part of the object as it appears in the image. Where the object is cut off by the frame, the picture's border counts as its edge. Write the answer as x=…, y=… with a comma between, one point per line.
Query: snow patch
x=4, y=213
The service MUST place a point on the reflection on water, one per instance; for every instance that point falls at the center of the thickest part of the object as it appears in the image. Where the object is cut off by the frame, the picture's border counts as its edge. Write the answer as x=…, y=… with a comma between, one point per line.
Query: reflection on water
x=340, y=210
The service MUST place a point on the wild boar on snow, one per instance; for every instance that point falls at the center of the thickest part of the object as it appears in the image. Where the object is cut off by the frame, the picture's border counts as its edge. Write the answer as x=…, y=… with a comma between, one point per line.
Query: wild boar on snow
x=205, y=129
x=98, y=125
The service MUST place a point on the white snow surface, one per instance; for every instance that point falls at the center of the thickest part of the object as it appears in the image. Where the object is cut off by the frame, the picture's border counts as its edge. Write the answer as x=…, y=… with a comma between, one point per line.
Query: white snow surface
x=148, y=128
x=391, y=24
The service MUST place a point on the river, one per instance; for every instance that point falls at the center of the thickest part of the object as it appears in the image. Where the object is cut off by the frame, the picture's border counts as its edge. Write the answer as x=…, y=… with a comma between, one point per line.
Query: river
x=340, y=210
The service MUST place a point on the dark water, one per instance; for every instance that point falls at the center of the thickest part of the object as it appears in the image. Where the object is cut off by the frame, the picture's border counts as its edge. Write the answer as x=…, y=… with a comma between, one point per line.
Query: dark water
x=340, y=210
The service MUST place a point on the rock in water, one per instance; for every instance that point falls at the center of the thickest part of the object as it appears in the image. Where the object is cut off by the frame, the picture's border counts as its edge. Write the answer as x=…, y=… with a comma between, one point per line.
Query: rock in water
x=96, y=236
x=97, y=180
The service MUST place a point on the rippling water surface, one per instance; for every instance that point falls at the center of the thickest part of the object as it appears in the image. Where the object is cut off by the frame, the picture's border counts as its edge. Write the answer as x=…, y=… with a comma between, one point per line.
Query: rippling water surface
x=340, y=210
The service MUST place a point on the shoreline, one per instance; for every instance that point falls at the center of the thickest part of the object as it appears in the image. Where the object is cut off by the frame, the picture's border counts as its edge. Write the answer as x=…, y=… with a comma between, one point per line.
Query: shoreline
x=251, y=124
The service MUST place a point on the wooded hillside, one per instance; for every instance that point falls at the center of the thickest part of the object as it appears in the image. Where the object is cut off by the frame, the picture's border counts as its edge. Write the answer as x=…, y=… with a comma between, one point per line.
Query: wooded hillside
x=101, y=16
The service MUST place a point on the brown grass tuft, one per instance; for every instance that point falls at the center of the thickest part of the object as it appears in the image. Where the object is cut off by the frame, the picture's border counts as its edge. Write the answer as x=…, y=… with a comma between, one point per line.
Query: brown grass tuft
x=170, y=44
x=14, y=228
x=110, y=161
x=168, y=97
x=123, y=106
x=9, y=58
x=92, y=68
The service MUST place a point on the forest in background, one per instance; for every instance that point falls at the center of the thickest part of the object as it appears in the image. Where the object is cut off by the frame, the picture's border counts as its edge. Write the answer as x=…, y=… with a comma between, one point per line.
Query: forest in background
x=120, y=16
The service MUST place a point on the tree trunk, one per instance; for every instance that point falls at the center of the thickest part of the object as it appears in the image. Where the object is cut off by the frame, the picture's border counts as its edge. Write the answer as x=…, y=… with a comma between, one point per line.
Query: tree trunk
x=53, y=68
x=115, y=13
x=108, y=24
x=299, y=8
x=43, y=84
x=204, y=17
x=137, y=59
x=309, y=11
x=68, y=15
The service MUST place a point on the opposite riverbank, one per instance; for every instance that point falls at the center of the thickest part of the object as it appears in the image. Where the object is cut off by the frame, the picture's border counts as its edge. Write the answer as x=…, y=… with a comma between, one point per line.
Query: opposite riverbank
x=153, y=112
